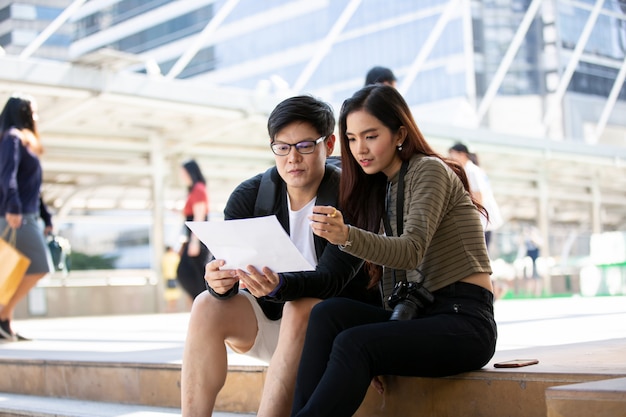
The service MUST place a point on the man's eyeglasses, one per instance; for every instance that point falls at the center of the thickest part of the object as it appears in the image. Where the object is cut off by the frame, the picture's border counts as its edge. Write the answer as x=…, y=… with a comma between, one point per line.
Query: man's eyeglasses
x=304, y=147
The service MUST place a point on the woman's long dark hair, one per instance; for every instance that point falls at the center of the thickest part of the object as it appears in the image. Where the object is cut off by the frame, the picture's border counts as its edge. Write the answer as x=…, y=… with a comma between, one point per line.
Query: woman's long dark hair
x=361, y=195
x=18, y=113
x=193, y=169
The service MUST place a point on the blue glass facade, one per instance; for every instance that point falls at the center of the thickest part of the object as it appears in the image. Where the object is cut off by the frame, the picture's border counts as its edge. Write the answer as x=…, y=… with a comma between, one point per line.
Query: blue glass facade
x=278, y=38
x=379, y=33
x=22, y=22
x=606, y=42
x=169, y=31
x=494, y=27
x=115, y=14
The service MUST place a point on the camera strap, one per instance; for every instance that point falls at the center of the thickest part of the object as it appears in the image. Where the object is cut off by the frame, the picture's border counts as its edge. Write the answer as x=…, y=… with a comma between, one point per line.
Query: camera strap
x=399, y=209
x=399, y=203
x=399, y=213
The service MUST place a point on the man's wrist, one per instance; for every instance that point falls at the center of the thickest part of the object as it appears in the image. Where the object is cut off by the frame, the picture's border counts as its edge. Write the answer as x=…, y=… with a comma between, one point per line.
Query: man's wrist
x=228, y=294
x=281, y=280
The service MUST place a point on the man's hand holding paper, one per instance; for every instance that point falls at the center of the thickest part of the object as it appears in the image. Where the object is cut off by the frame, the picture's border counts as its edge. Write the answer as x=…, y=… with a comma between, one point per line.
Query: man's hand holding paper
x=220, y=280
x=259, y=283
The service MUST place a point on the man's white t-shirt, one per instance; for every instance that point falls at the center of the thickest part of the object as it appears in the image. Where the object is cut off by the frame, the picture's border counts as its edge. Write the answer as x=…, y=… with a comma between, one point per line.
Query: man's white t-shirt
x=300, y=231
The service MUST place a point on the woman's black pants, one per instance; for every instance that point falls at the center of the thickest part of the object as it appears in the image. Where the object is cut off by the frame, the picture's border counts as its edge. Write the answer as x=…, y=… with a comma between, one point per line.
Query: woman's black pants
x=349, y=342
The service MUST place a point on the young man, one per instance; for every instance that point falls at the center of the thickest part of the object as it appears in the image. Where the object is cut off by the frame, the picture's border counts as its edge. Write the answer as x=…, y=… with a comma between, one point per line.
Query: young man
x=268, y=319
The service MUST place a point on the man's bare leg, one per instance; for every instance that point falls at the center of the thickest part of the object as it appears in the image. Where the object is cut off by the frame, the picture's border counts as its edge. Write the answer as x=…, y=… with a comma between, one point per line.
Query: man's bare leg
x=281, y=375
x=205, y=364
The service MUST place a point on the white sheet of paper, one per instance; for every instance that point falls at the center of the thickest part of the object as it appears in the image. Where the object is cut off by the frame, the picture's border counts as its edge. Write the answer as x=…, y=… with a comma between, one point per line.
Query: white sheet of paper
x=259, y=241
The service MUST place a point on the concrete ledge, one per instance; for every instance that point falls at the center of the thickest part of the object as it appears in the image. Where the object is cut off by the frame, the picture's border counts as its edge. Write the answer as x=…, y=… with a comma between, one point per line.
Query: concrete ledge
x=242, y=390
x=125, y=383
x=489, y=392
x=606, y=398
x=93, y=293
x=479, y=393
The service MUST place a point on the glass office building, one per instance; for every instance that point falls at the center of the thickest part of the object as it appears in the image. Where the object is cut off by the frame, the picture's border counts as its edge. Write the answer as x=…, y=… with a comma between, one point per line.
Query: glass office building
x=22, y=21
x=449, y=55
x=521, y=79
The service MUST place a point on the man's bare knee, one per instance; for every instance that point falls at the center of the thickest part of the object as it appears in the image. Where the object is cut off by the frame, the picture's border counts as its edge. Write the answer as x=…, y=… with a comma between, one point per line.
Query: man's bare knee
x=208, y=307
x=232, y=320
x=205, y=312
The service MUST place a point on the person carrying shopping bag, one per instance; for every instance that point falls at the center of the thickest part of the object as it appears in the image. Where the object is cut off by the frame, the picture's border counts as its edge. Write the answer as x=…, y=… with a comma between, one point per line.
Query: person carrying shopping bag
x=20, y=184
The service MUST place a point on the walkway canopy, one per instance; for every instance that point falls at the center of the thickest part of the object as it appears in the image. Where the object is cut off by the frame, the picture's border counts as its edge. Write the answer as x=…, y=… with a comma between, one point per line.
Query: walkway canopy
x=114, y=139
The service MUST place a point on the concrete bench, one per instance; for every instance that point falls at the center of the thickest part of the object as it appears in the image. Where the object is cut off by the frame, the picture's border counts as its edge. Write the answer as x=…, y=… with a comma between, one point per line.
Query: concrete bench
x=585, y=373
x=568, y=378
x=489, y=392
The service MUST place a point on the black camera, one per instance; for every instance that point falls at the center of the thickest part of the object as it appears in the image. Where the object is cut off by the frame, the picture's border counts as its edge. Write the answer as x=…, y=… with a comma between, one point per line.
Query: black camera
x=407, y=299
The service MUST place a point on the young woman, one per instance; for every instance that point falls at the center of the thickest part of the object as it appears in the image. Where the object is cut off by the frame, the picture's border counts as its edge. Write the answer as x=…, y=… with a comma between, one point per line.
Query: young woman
x=20, y=201
x=432, y=248
x=194, y=255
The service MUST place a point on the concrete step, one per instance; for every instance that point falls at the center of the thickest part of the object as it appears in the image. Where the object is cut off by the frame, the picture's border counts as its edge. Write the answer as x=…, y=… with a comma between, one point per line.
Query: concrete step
x=120, y=359
x=489, y=392
x=16, y=405
x=124, y=382
x=606, y=398
x=136, y=360
x=36, y=406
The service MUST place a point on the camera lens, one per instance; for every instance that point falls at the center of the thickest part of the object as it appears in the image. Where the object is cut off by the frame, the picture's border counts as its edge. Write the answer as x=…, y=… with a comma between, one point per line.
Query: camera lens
x=404, y=310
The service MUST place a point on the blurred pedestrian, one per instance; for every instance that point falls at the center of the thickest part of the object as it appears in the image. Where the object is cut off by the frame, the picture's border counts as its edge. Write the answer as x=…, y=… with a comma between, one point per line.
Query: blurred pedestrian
x=193, y=254
x=169, y=266
x=20, y=198
x=380, y=75
x=532, y=247
x=480, y=188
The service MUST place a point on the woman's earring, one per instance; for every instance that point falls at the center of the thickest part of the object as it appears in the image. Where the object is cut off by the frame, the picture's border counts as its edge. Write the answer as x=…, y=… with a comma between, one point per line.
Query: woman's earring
x=399, y=147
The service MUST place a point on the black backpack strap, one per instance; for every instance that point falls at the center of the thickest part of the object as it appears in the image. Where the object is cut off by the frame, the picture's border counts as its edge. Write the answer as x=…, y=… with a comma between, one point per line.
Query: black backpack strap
x=271, y=183
x=266, y=196
x=328, y=193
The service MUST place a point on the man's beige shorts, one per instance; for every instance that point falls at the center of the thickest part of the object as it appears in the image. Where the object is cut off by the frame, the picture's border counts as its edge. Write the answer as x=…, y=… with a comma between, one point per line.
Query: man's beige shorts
x=267, y=332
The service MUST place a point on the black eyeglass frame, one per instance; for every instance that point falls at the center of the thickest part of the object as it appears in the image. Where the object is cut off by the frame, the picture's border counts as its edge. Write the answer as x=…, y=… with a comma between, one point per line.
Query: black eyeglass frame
x=296, y=145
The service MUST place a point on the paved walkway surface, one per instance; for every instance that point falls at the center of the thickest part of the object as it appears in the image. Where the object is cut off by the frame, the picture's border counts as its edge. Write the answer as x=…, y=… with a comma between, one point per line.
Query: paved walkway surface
x=154, y=338
x=159, y=338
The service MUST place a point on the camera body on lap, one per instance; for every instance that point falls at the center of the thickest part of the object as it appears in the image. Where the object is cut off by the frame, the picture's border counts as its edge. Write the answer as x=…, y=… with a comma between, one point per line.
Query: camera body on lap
x=408, y=299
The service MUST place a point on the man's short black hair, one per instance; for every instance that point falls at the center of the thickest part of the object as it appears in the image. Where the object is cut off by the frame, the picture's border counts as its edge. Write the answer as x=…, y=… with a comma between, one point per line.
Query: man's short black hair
x=304, y=108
